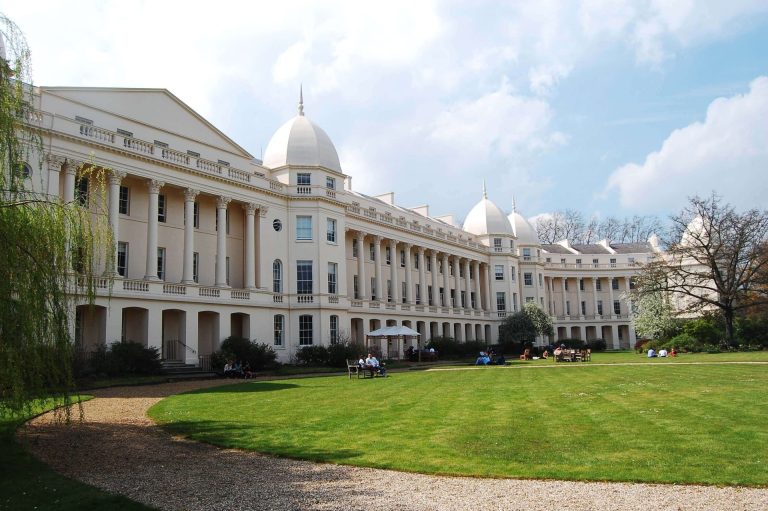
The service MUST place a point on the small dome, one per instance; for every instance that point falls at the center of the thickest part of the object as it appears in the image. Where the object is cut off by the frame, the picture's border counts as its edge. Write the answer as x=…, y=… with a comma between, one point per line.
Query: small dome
x=301, y=142
x=487, y=218
x=695, y=235
x=524, y=231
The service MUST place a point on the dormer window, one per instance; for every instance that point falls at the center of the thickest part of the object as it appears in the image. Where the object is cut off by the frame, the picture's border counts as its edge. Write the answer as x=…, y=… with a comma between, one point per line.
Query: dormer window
x=330, y=183
x=304, y=179
x=497, y=244
x=526, y=254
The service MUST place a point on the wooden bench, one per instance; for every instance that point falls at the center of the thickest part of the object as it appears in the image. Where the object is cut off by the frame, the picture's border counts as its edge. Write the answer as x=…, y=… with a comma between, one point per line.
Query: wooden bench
x=354, y=368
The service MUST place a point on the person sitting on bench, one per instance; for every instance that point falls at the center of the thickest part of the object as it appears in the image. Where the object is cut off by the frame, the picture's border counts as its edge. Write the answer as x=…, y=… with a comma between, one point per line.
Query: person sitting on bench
x=374, y=363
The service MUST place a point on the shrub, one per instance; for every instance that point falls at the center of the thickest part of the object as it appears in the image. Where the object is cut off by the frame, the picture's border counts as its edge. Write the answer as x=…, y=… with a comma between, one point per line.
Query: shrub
x=572, y=344
x=258, y=355
x=597, y=344
x=446, y=347
x=704, y=329
x=312, y=356
x=340, y=352
x=119, y=358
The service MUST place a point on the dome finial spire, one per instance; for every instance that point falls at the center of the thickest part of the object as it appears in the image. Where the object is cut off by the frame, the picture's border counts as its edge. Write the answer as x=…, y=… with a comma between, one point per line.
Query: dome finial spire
x=485, y=192
x=301, y=99
x=514, y=204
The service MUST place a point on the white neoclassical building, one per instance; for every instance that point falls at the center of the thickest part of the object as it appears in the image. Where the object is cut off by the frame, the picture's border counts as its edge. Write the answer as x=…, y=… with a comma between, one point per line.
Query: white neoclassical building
x=212, y=242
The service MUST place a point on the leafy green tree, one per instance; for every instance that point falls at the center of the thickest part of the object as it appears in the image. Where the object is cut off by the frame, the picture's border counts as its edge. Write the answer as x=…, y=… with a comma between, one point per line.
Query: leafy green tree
x=38, y=236
x=653, y=316
x=542, y=322
x=525, y=325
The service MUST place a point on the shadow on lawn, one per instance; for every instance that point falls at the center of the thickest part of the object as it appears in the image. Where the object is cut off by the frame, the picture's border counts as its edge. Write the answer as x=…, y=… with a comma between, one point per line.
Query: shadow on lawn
x=246, y=387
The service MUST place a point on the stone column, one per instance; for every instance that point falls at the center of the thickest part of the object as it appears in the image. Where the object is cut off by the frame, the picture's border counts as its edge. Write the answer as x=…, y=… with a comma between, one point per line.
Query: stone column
x=394, y=262
x=632, y=335
x=478, y=287
x=409, y=293
x=594, y=290
x=467, y=285
x=435, y=286
x=610, y=298
x=377, y=267
x=69, y=169
x=250, y=245
x=54, y=173
x=565, y=297
x=189, y=236
x=151, y=264
x=361, y=285
x=579, y=280
x=446, y=288
x=457, y=282
x=115, y=178
x=422, y=276
x=221, y=241
x=262, y=266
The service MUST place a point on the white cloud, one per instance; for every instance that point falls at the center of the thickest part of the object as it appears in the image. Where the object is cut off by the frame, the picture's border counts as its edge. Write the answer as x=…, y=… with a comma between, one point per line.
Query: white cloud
x=728, y=153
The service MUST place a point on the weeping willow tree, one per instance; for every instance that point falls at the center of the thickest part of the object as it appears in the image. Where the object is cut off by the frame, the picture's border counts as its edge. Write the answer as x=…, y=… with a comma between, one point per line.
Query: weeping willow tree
x=41, y=240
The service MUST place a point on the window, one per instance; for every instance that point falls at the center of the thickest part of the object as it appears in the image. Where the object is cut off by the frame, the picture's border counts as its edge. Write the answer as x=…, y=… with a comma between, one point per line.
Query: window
x=277, y=276
x=226, y=219
x=125, y=201
x=226, y=260
x=616, y=307
x=578, y=263
x=429, y=264
x=404, y=292
x=526, y=254
x=631, y=283
x=356, y=286
x=631, y=260
x=549, y=259
x=279, y=323
x=334, y=329
x=528, y=279
x=613, y=263
x=562, y=260
x=330, y=183
x=566, y=284
x=541, y=280
x=161, y=263
x=442, y=296
x=332, y=278
x=416, y=262
x=373, y=252
x=596, y=263
x=196, y=266
x=418, y=294
x=583, y=308
x=429, y=296
x=161, y=216
x=581, y=284
x=303, y=179
x=355, y=248
x=501, y=301
x=122, y=258
x=81, y=191
x=453, y=298
x=304, y=277
x=512, y=273
x=463, y=296
x=373, y=288
x=567, y=307
x=514, y=302
x=473, y=303
x=303, y=228
x=196, y=215
x=615, y=284
x=402, y=259
x=529, y=299
x=461, y=271
x=305, y=330
x=598, y=285
x=497, y=244
x=440, y=266
x=600, y=307
x=388, y=255
x=331, y=235
x=499, y=271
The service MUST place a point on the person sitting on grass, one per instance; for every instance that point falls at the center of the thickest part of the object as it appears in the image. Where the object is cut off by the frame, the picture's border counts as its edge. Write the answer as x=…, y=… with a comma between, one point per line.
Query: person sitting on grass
x=483, y=359
x=662, y=353
x=545, y=354
x=673, y=353
x=374, y=363
x=651, y=353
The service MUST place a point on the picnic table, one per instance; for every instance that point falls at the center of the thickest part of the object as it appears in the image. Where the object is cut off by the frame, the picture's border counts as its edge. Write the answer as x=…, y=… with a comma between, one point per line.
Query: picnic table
x=573, y=355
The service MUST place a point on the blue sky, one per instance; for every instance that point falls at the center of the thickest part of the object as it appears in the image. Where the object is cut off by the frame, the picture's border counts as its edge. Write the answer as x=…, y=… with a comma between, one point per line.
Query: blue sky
x=608, y=107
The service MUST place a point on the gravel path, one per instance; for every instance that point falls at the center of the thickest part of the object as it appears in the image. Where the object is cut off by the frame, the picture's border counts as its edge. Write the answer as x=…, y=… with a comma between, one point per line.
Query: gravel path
x=119, y=449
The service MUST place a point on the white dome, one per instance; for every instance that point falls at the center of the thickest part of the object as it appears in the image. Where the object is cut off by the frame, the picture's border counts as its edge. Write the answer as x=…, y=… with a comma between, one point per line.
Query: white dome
x=524, y=231
x=486, y=218
x=695, y=235
x=301, y=142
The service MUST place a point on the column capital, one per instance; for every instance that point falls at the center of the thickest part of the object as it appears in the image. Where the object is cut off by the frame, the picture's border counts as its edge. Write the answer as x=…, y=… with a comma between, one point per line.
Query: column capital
x=263, y=210
x=360, y=235
x=190, y=194
x=377, y=238
x=250, y=208
x=407, y=245
x=420, y=250
x=154, y=185
x=392, y=242
x=222, y=202
x=116, y=177
x=54, y=161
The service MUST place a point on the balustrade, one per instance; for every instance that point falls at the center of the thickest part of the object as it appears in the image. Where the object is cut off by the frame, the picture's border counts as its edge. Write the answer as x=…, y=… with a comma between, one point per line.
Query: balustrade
x=174, y=289
x=241, y=294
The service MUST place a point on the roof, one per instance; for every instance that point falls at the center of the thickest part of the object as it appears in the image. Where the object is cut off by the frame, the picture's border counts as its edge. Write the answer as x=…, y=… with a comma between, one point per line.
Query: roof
x=486, y=218
x=555, y=248
x=301, y=142
x=524, y=231
x=591, y=249
x=632, y=248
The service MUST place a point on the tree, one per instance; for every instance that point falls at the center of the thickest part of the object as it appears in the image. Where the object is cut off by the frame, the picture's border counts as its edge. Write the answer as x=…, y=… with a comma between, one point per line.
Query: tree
x=38, y=236
x=652, y=315
x=525, y=325
x=570, y=225
x=715, y=260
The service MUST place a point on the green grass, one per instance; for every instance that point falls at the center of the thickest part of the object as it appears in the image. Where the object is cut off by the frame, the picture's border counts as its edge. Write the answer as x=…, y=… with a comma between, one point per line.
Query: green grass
x=28, y=484
x=674, y=424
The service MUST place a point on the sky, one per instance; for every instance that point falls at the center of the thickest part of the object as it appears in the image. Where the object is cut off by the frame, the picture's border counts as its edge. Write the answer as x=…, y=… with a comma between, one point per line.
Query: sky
x=608, y=107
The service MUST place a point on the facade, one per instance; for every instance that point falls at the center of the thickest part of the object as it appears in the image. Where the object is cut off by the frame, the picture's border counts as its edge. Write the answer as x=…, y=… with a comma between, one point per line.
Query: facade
x=211, y=242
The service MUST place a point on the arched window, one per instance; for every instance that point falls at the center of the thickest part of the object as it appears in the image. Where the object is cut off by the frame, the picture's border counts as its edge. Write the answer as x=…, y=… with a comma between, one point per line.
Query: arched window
x=277, y=276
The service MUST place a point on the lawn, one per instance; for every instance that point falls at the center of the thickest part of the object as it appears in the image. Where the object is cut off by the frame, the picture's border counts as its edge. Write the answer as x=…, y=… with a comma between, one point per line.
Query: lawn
x=655, y=422
x=27, y=484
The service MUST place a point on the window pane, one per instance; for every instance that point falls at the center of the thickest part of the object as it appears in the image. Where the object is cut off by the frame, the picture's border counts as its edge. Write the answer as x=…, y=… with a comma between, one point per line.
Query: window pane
x=304, y=277
x=331, y=236
x=277, y=276
x=279, y=327
x=303, y=227
x=332, y=270
x=122, y=258
x=125, y=195
x=305, y=330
